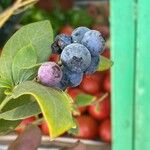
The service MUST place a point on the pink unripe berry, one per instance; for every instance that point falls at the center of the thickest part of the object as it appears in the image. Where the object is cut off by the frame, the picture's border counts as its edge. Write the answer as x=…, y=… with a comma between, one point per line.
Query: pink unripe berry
x=49, y=74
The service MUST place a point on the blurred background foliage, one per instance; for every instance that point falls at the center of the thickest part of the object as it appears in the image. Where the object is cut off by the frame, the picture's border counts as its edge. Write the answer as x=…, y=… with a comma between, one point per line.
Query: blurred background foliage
x=64, y=16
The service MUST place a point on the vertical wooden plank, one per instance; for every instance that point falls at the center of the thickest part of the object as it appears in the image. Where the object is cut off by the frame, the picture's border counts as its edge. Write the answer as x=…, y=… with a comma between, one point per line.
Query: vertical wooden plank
x=123, y=50
x=142, y=117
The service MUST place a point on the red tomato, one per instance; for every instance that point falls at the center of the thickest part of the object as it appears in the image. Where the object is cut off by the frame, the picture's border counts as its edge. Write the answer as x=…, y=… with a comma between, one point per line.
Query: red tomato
x=106, y=53
x=107, y=85
x=44, y=128
x=66, y=5
x=54, y=58
x=100, y=111
x=74, y=92
x=103, y=29
x=98, y=76
x=24, y=123
x=91, y=84
x=88, y=128
x=105, y=131
x=82, y=109
x=47, y=6
x=66, y=30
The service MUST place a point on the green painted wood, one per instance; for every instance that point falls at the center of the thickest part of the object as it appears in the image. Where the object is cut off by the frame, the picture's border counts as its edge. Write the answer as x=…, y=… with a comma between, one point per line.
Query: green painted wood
x=142, y=104
x=123, y=50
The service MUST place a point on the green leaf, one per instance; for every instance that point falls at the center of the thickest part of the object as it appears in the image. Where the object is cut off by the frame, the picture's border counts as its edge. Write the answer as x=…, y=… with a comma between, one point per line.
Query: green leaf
x=84, y=99
x=79, y=17
x=38, y=34
x=4, y=83
x=26, y=57
x=6, y=126
x=14, y=103
x=104, y=64
x=55, y=105
x=29, y=73
x=75, y=129
x=22, y=112
x=2, y=95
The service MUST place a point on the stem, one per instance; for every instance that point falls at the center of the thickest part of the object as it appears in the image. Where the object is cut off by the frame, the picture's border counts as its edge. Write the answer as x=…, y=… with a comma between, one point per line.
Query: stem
x=27, y=3
x=11, y=10
x=5, y=101
x=100, y=99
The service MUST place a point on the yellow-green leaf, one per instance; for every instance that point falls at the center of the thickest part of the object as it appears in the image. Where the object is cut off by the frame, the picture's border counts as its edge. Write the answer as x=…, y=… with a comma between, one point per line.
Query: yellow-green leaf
x=6, y=126
x=56, y=105
x=104, y=64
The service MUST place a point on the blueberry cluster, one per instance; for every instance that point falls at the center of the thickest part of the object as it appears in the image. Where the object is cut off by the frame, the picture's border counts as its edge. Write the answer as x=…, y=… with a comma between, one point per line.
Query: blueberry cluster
x=79, y=54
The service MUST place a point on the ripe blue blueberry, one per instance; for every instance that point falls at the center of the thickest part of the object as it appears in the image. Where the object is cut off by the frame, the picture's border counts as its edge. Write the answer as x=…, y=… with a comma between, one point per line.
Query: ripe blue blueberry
x=74, y=79
x=69, y=78
x=78, y=34
x=49, y=73
x=94, y=42
x=76, y=57
x=61, y=41
x=61, y=85
x=93, y=66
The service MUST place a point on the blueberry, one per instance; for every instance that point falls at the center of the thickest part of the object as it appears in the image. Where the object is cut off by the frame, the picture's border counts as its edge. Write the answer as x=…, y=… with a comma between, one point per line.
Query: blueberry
x=61, y=85
x=78, y=34
x=94, y=42
x=49, y=73
x=76, y=57
x=69, y=78
x=93, y=66
x=74, y=78
x=61, y=41
x=55, y=48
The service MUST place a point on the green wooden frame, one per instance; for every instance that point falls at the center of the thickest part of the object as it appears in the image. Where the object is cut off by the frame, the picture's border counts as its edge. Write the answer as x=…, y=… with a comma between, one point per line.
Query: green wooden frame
x=142, y=91
x=130, y=35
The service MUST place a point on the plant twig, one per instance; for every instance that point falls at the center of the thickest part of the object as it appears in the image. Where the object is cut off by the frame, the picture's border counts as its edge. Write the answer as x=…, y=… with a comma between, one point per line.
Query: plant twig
x=11, y=10
x=27, y=2
x=100, y=99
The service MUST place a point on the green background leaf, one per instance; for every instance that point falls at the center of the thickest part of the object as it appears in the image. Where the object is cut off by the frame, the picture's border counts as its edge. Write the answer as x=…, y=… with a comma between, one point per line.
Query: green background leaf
x=26, y=57
x=38, y=34
x=55, y=105
x=13, y=103
x=7, y=126
x=84, y=99
x=22, y=112
x=104, y=64
x=2, y=95
x=74, y=130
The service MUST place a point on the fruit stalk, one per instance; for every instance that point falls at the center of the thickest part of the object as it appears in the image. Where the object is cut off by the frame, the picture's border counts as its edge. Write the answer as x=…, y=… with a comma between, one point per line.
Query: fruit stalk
x=100, y=99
